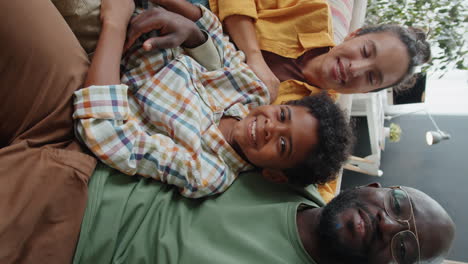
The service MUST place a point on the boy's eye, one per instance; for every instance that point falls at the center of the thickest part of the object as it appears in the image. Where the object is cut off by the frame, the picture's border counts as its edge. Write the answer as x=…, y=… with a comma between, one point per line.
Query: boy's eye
x=282, y=115
x=283, y=145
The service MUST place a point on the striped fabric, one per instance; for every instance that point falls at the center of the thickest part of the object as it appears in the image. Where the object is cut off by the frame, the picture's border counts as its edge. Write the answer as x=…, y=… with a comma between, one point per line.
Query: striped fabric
x=341, y=11
x=162, y=122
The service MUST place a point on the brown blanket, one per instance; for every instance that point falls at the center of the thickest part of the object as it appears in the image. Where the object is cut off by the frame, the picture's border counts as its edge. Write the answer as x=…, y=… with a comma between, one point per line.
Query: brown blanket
x=43, y=170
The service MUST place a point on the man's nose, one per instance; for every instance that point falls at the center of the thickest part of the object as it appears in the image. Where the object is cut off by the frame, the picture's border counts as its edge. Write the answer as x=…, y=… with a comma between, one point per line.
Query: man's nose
x=389, y=226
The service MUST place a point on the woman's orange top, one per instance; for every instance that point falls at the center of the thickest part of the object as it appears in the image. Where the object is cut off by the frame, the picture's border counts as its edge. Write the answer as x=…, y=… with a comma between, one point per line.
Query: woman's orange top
x=287, y=28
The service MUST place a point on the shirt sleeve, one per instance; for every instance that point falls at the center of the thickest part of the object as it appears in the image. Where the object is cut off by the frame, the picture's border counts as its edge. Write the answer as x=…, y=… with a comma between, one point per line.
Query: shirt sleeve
x=230, y=56
x=241, y=77
x=206, y=54
x=103, y=123
x=225, y=8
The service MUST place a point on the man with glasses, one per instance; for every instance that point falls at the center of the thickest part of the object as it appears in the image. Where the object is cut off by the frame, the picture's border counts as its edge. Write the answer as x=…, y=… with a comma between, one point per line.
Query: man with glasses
x=256, y=221
x=372, y=224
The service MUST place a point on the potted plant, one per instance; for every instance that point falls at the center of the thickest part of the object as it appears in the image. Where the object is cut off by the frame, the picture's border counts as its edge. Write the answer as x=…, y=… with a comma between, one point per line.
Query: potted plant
x=393, y=132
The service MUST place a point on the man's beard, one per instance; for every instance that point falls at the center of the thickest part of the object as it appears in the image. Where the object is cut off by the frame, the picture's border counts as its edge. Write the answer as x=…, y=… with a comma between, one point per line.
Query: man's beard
x=330, y=242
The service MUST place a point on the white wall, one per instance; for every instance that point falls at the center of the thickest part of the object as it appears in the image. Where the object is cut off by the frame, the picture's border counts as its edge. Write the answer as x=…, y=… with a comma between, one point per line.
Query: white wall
x=449, y=95
x=445, y=96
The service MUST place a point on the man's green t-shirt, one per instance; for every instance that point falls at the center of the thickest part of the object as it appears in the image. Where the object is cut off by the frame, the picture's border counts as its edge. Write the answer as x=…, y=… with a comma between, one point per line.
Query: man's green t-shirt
x=139, y=220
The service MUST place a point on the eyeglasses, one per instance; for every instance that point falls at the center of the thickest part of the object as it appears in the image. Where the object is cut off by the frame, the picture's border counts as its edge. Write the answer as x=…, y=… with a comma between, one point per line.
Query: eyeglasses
x=404, y=244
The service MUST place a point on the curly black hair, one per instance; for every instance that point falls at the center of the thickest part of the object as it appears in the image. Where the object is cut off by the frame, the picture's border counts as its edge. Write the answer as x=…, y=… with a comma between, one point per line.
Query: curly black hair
x=335, y=141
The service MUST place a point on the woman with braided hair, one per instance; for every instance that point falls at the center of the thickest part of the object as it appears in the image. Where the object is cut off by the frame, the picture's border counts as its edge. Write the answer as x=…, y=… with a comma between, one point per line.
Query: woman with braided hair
x=289, y=44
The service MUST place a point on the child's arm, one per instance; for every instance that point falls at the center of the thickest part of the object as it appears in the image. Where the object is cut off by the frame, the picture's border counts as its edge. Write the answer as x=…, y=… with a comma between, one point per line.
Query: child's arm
x=104, y=124
x=105, y=66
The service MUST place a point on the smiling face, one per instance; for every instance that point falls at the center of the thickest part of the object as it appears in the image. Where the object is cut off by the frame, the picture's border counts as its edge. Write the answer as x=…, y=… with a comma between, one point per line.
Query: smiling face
x=276, y=136
x=360, y=64
x=360, y=226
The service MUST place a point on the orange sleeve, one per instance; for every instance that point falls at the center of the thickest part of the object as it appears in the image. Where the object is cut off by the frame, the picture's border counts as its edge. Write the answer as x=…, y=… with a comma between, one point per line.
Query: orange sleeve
x=225, y=8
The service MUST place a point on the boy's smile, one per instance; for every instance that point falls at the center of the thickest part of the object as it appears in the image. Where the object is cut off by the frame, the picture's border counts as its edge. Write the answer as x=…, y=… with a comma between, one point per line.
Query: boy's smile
x=276, y=136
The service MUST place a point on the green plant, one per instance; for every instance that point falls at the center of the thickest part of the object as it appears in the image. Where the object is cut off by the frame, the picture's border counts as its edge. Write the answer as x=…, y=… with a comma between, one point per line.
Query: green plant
x=395, y=132
x=446, y=22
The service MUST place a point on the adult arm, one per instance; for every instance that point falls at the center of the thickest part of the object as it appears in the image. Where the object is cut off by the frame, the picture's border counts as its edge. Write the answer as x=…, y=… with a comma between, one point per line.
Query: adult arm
x=174, y=30
x=181, y=7
x=177, y=30
x=105, y=66
x=241, y=28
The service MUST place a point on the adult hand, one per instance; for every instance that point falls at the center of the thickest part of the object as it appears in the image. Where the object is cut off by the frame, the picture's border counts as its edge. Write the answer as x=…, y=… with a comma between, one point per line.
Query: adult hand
x=264, y=73
x=174, y=30
x=117, y=12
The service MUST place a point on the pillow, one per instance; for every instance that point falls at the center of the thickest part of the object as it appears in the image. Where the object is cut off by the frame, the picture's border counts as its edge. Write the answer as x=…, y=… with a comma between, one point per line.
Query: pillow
x=341, y=11
x=83, y=18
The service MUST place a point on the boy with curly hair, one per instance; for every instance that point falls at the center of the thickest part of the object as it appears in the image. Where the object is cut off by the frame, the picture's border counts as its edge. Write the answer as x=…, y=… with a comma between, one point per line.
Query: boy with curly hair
x=170, y=118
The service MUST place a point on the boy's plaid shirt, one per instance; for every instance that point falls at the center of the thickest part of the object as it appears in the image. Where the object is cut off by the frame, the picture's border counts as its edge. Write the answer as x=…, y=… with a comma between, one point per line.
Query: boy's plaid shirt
x=162, y=122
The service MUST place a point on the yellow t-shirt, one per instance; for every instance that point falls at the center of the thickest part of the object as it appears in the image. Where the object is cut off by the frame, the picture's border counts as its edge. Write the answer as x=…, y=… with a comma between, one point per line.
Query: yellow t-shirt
x=287, y=28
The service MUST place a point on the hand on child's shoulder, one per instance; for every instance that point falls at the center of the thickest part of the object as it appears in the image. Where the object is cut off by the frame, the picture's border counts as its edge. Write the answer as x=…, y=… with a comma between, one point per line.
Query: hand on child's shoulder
x=264, y=73
x=174, y=30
